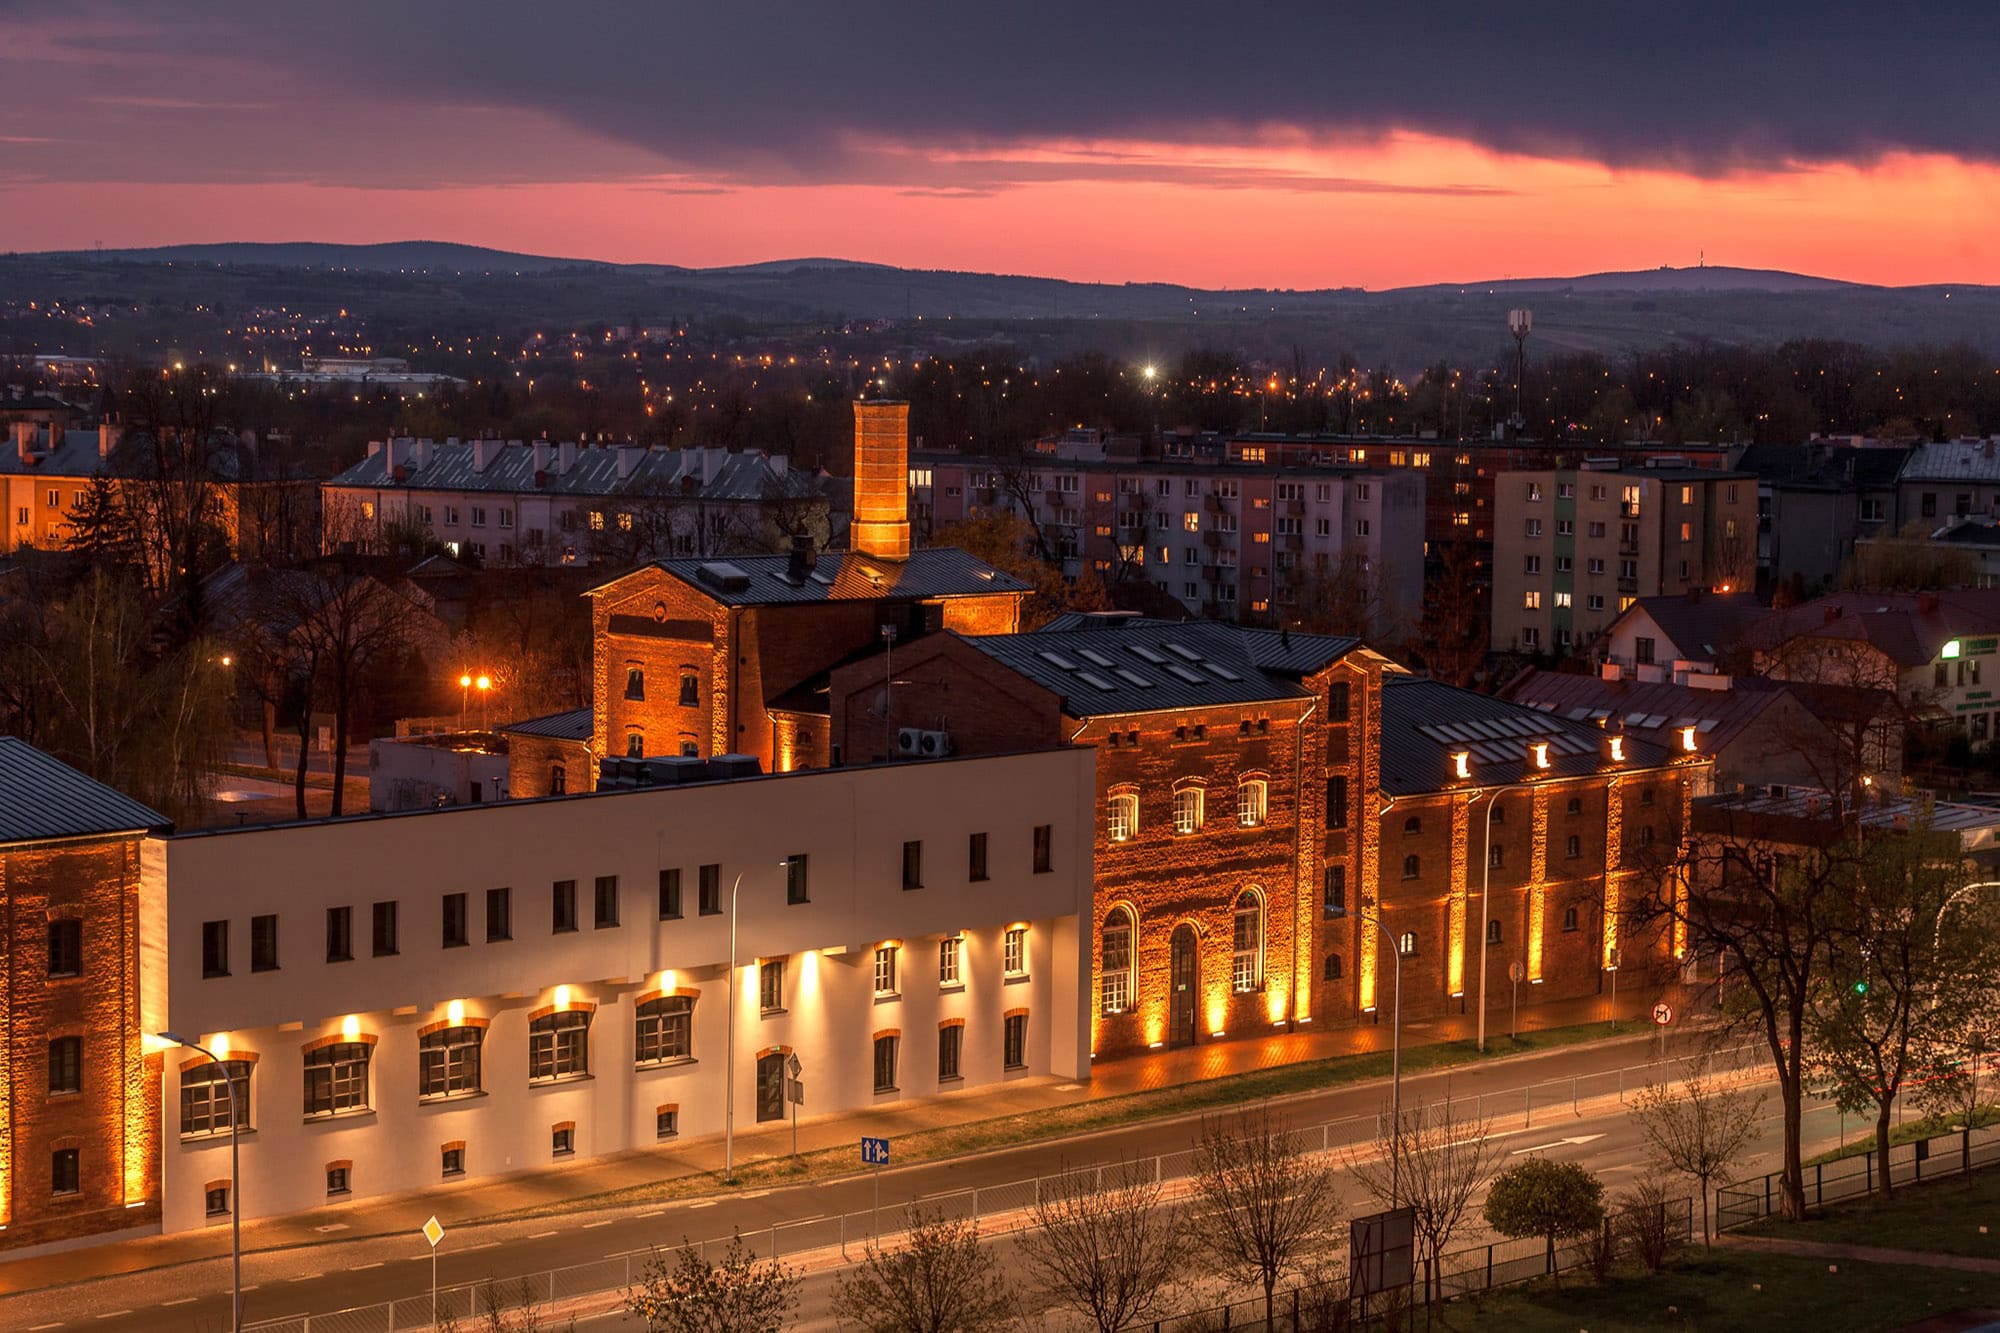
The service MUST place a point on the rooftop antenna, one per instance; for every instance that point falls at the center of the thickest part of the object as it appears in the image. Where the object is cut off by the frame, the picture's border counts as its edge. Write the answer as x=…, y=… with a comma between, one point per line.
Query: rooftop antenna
x=1518, y=324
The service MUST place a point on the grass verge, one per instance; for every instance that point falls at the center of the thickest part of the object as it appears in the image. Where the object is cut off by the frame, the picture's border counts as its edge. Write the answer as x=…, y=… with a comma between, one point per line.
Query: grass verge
x=1722, y=1291
x=1908, y=1132
x=1057, y=1122
x=1940, y=1216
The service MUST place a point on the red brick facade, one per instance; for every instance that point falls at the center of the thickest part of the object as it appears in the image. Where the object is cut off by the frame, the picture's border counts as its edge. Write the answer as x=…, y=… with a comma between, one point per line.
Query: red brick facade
x=112, y=1121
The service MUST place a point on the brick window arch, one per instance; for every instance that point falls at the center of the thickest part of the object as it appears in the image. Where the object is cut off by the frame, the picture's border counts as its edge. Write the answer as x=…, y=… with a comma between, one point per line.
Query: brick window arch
x=1189, y=801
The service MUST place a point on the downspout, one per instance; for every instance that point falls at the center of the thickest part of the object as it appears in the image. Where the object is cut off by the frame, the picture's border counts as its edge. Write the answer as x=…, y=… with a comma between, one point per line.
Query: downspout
x=1301, y=894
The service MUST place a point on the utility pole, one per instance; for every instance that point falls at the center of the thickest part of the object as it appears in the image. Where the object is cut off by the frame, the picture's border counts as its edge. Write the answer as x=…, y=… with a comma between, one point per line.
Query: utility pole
x=888, y=686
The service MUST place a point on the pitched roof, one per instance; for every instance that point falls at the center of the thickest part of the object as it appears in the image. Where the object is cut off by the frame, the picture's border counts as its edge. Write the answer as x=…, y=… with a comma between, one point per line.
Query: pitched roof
x=1706, y=626
x=1824, y=466
x=1279, y=651
x=451, y=465
x=572, y=724
x=76, y=455
x=1909, y=629
x=42, y=797
x=1955, y=460
x=1653, y=711
x=839, y=576
x=1147, y=667
x=1424, y=722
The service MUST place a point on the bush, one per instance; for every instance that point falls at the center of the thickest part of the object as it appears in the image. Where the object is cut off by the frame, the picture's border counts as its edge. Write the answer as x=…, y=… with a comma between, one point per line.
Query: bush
x=1644, y=1223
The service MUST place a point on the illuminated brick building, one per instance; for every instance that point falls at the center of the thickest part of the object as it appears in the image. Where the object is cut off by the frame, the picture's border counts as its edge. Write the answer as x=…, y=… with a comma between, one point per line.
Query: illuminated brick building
x=79, y=1096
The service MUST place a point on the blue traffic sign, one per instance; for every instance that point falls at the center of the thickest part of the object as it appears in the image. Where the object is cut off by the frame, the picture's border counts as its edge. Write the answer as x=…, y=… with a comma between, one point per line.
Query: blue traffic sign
x=875, y=1152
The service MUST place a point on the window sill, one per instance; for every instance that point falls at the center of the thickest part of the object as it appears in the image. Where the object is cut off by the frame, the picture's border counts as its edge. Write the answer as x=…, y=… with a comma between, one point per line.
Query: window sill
x=674, y=1062
x=499, y=939
x=950, y=1078
x=977, y=879
x=911, y=888
x=1015, y=978
x=343, y=958
x=888, y=996
x=778, y=1012
x=435, y=1098
x=562, y=930
x=556, y=1080
x=951, y=987
x=212, y=976
x=457, y=944
x=217, y=1135
x=352, y=1113
x=887, y=1092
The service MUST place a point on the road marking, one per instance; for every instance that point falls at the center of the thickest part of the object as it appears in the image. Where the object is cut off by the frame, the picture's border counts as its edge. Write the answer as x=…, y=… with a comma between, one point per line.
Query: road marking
x=482, y=1245
x=541, y=1235
x=1544, y=1147
x=37, y=1328
x=184, y=1300
x=592, y=1226
x=754, y=1194
x=627, y=1254
x=655, y=1213
x=703, y=1203
x=113, y=1314
x=362, y=1267
x=305, y=1277
x=253, y=1286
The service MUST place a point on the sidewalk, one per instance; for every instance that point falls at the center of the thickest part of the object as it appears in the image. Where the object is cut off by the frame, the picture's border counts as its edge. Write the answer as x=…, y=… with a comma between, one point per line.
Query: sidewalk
x=1864, y=1254
x=481, y=1199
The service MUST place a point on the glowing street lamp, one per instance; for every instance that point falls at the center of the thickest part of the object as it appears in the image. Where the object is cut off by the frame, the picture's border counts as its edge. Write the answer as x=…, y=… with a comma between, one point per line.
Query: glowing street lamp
x=235, y=1178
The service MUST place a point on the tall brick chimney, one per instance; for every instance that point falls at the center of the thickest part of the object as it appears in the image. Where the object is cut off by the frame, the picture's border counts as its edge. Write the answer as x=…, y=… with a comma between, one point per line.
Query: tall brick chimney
x=881, y=479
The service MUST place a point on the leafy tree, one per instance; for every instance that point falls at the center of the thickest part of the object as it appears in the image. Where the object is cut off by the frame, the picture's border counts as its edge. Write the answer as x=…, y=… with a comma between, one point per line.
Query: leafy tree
x=1264, y=1204
x=1540, y=1197
x=1105, y=1245
x=1007, y=542
x=689, y=1294
x=939, y=1280
x=1432, y=1162
x=1698, y=1129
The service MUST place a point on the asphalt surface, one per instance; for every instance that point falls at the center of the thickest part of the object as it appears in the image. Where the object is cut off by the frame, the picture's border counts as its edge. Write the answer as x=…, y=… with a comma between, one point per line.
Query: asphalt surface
x=341, y=1275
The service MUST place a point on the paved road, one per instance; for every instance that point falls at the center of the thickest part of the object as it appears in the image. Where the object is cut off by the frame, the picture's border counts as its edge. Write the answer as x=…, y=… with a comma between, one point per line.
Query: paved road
x=338, y=1275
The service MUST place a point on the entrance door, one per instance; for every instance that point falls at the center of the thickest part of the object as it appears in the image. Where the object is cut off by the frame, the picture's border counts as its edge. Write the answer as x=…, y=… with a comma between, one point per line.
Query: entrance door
x=1184, y=979
x=771, y=1087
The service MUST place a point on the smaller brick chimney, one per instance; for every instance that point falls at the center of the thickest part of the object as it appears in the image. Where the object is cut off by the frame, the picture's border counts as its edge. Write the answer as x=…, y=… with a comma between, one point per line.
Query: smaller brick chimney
x=24, y=442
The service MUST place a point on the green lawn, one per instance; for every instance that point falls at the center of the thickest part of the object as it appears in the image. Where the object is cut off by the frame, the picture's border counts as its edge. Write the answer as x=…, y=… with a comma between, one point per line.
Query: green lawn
x=1943, y=1216
x=1908, y=1132
x=1718, y=1291
x=1083, y=1117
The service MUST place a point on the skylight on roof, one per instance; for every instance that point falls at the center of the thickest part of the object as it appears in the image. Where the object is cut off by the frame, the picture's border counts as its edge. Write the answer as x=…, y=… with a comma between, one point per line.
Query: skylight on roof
x=1183, y=652
x=1223, y=672
x=1145, y=654
x=1056, y=659
x=1094, y=657
x=1134, y=678
x=1179, y=672
x=1092, y=679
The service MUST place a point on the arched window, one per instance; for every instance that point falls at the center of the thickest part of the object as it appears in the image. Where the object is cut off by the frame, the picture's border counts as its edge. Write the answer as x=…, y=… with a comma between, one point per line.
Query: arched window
x=1569, y=918
x=1121, y=817
x=1493, y=931
x=1413, y=826
x=1646, y=835
x=337, y=1078
x=1406, y=944
x=665, y=1030
x=448, y=1061
x=1572, y=847
x=1250, y=797
x=635, y=745
x=1330, y=970
x=559, y=1046
x=1115, y=968
x=1413, y=866
x=205, y=1099
x=1187, y=810
x=558, y=780
x=1247, y=954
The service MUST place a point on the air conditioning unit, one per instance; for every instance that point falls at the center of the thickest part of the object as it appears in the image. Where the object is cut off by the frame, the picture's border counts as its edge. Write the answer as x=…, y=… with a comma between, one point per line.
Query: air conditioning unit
x=917, y=743
x=909, y=741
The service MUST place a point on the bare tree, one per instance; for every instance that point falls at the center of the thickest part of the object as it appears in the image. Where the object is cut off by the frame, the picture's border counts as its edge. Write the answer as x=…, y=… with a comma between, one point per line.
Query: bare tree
x=1450, y=636
x=1265, y=1205
x=741, y=1294
x=939, y=1280
x=1698, y=1128
x=1105, y=1243
x=1433, y=1162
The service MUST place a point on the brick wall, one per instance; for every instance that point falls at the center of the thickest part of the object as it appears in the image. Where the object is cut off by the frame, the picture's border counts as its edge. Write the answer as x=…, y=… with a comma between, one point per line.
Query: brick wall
x=942, y=684
x=532, y=760
x=113, y=1122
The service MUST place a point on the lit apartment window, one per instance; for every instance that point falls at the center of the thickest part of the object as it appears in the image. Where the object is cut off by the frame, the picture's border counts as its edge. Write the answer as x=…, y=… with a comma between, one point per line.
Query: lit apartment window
x=1250, y=798
x=1014, y=952
x=885, y=970
x=1562, y=601
x=1121, y=819
x=1531, y=600
x=1188, y=810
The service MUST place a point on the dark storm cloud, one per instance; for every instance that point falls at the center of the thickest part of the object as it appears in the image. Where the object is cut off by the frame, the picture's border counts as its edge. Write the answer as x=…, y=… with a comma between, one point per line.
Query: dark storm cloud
x=814, y=92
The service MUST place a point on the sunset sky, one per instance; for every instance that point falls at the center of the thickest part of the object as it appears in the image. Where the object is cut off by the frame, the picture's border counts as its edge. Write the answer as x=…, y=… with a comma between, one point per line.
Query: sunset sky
x=1287, y=146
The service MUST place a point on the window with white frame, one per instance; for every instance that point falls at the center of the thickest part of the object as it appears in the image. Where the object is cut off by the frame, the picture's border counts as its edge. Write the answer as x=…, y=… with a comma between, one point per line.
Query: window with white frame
x=1115, y=980
x=1121, y=818
x=1187, y=810
x=1247, y=953
x=1014, y=952
x=885, y=970
x=949, y=949
x=1250, y=798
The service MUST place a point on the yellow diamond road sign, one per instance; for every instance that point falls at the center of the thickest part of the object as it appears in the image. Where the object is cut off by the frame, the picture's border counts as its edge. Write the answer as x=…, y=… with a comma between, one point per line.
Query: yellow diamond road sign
x=433, y=1231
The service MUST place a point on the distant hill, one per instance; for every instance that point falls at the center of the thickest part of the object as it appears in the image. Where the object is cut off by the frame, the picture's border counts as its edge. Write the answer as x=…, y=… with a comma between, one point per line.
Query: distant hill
x=388, y=257
x=1658, y=280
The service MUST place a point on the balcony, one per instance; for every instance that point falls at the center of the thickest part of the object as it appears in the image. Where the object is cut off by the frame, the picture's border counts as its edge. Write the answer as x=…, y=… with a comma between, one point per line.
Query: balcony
x=1212, y=540
x=1628, y=585
x=1213, y=504
x=1295, y=508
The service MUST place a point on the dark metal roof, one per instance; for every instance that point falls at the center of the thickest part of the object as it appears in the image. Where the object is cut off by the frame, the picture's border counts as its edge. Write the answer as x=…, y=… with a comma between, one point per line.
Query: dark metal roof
x=570, y=725
x=42, y=797
x=713, y=475
x=1911, y=629
x=1146, y=667
x=1279, y=651
x=841, y=576
x=1424, y=722
x=1652, y=710
x=1706, y=626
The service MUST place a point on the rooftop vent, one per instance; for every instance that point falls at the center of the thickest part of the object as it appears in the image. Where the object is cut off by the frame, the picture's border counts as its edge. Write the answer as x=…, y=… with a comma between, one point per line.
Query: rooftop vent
x=723, y=576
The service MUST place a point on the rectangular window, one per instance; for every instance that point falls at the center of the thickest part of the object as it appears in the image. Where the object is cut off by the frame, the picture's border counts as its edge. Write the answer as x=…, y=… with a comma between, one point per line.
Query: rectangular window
x=1337, y=701
x=65, y=948
x=1335, y=897
x=339, y=934
x=605, y=905
x=562, y=1141
x=635, y=682
x=337, y=1181
x=448, y=1062
x=976, y=858
x=66, y=1175
x=771, y=985
x=1045, y=840
x=1534, y=527
x=709, y=889
x=795, y=879
x=885, y=970
x=667, y=1122
x=385, y=929
x=451, y=1161
x=457, y=927
x=950, y=1041
x=336, y=1078
x=885, y=1064
x=215, y=948
x=913, y=865
x=1336, y=801
x=499, y=914
x=559, y=1046
x=948, y=952
x=1014, y=952
x=205, y=1097
x=1014, y=1042
x=670, y=894
x=562, y=906
x=66, y=1065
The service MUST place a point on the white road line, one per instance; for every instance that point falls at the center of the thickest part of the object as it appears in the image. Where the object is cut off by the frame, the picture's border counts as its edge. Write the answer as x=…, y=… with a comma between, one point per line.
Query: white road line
x=655, y=1213
x=541, y=1235
x=37, y=1328
x=592, y=1226
x=482, y=1245
x=113, y=1314
x=183, y=1300
x=357, y=1268
x=304, y=1277
x=704, y=1203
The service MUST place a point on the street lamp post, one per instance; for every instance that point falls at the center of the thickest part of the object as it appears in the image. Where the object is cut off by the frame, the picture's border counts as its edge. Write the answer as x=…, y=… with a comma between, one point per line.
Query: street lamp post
x=484, y=684
x=1395, y=1062
x=464, y=698
x=235, y=1181
x=729, y=1052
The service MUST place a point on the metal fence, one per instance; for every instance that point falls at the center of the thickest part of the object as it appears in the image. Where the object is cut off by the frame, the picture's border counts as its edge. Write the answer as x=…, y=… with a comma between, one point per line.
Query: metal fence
x=996, y=1209
x=1324, y=1307
x=1947, y=1154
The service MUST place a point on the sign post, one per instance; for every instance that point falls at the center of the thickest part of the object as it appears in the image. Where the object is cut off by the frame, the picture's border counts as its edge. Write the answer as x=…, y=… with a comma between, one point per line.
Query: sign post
x=1663, y=1014
x=1516, y=974
x=434, y=1232
x=1613, y=968
x=875, y=1153
x=795, y=1093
